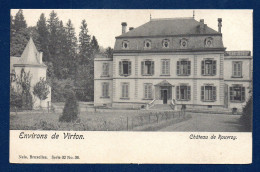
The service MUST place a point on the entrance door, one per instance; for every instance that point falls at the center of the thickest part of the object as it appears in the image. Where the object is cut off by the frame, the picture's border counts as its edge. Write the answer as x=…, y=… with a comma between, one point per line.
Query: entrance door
x=164, y=96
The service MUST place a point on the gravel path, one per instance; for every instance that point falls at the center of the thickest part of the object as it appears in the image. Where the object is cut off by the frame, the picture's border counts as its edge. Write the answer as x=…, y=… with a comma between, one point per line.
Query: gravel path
x=208, y=123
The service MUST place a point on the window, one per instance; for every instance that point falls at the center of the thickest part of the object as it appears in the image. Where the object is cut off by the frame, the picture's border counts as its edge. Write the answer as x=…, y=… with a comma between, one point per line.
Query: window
x=208, y=93
x=237, y=93
x=209, y=42
x=125, y=44
x=183, y=92
x=237, y=69
x=148, y=91
x=125, y=68
x=147, y=44
x=183, y=67
x=125, y=90
x=105, y=90
x=147, y=67
x=184, y=43
x=165, y=67
x=208, y=67
x=165, y=43
x=105, y=71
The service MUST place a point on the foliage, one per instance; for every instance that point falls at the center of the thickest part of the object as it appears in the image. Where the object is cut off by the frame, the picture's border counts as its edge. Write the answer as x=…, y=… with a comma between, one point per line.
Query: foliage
x=22, y=92
x=43, y=32
x=58, y=89
x=71, y=108
x=41, y=89
x=247, y=116
x=64, y=54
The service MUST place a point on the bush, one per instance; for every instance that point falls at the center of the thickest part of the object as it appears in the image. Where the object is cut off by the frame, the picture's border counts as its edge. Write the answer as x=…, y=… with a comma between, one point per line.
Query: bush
x=71, y=108
x=246, y=118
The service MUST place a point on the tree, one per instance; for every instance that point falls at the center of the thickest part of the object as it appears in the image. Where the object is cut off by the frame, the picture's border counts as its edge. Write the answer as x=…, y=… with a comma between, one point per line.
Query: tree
x=109, y=52
x=24, y=82
x=19, y=22
x=84, y=43
x=41, y=90
x=43, y=37
x=71, y=108
x=94, y=45
x=71, y=48
x=247, y=116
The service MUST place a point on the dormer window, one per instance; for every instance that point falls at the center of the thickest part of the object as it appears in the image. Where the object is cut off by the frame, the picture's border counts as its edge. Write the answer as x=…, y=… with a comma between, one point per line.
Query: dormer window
x=165, y=43
x=147, y=44
x=184, y=43
x=209, y=42
x=125, y=44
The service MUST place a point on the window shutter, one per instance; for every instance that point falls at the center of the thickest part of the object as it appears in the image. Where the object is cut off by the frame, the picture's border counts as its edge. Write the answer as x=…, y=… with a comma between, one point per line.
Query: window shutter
x=107, y=89
x=214, y=93
x=120, y=68
x=129, y=68
x=239, y=71
x=188, y=72
x=231, y=93
x=243, y=94
x=214, y=67
x=167, y=67
x=178, y=92
x=126, y=90
x=142, y=68
x=178, y=67
x=103, y=69
x=202, y=68
x=107, y=69
x=123, y=95
x=188, y=92
x=150, y=91
x=202, y=93
x=152, y=67
x=103, y=93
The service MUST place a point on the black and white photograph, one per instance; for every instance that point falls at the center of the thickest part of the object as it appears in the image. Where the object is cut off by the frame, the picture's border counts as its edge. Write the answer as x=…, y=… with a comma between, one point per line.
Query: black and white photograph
x=104, y=70
x=113, y=85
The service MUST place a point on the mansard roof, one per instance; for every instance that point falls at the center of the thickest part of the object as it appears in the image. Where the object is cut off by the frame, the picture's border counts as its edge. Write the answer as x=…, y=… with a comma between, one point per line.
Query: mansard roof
x=169, y=27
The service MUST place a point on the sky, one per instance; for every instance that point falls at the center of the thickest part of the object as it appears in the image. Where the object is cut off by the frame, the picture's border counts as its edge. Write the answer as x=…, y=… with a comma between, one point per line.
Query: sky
x=105, y=24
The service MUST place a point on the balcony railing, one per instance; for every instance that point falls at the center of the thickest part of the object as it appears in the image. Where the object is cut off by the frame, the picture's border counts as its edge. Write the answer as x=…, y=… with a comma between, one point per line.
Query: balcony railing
x=238, y=53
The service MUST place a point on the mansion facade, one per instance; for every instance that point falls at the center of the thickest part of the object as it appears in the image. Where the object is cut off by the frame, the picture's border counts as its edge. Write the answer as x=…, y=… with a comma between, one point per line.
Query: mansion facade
x=177, y=61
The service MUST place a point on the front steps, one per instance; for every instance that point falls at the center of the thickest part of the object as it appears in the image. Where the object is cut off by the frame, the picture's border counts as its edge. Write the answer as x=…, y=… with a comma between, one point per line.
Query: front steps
x=165, y=107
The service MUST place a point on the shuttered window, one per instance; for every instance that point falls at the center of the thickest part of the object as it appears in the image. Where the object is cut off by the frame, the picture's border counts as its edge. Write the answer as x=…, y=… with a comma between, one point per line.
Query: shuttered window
x=147, y=67
x=183, y=92
x=208, y=93
x=237, y=93
x=165, y=67
x=125, y=90
x=105, y=69
x=183, y=67
x=237, y=69
x=209, y=67
x=105, y=89
x=147, y=91
x=125, y=68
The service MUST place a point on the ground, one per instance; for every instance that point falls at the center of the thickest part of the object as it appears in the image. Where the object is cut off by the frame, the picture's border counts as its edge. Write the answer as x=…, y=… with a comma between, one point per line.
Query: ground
x=208, y=122
x=123, y=120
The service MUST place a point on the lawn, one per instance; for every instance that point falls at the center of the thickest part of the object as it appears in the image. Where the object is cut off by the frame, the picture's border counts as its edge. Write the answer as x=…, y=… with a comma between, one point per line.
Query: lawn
x=90, y=121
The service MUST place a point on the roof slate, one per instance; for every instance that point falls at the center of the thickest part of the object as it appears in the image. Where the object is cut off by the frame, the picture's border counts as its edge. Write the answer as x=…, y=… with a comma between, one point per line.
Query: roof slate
x=168, y=27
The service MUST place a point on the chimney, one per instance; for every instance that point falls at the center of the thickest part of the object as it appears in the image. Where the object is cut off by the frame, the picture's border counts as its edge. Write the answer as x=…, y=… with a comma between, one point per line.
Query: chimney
x=219, y=24
x=124, y=24
x=201, y=25
x=131, y=28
